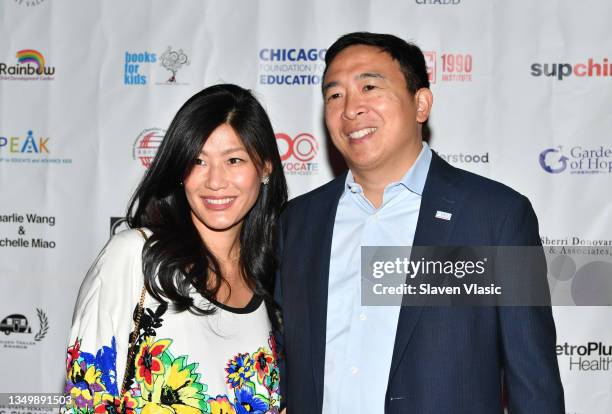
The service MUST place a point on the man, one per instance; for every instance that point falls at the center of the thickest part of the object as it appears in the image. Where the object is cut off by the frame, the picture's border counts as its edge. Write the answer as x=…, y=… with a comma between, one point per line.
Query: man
x=342, y=357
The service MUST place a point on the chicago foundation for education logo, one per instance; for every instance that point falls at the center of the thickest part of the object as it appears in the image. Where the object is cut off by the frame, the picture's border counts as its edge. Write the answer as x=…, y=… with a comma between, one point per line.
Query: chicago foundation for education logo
x=298, y=154
x=146, y=145
x=18, y=330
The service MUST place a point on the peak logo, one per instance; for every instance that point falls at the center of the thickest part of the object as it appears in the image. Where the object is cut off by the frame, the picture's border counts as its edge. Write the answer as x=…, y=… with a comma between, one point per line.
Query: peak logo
x=454, y=67
x=577, y=161
x=137, y=65
x=30, y=65
x=146, y=145
x=28, y=149
x=298, y=154
x=291, y=67
x=589, y=69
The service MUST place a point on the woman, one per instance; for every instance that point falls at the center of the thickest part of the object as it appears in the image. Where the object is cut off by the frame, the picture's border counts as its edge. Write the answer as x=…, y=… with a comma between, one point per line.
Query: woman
x=201, y=243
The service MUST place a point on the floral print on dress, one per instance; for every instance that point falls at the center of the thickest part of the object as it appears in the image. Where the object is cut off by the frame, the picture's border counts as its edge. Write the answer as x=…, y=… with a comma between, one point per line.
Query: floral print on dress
x=158, y=382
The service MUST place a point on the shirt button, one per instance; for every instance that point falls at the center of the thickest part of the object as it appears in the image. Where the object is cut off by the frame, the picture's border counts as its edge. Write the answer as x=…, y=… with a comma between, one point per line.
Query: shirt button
x=354, y=370
x=353, y=189
x=363, y=317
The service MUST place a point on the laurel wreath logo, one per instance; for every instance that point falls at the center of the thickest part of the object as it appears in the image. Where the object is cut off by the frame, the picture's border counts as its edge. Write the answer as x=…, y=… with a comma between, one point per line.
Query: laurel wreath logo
x=44, y=325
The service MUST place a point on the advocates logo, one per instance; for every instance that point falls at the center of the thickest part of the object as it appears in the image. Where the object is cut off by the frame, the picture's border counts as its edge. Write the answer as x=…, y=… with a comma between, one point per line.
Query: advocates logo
x=578, y=160
x=590, y=356
x=298, y=154
x=454, y=67
x=146, y=145
x=591, y=69
x=20, y=333
x=292, y=66
x=28, y=150
x=30, y=65
x=137, y=66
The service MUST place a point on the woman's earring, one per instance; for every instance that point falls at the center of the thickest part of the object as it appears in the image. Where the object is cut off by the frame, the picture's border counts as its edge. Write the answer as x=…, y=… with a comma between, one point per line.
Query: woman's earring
x=265, y=180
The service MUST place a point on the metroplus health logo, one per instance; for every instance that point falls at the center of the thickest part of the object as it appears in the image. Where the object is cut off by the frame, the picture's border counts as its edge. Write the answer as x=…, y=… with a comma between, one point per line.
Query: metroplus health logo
x=576, y=160
x=30, y=65
x=147, y=144
x=448, y=67
x=291, y=66
x=140, y=66
x=298, y=154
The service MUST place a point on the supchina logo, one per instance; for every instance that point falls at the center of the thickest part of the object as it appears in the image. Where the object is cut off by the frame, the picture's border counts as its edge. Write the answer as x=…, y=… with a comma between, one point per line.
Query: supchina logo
x=30, y=65
x=19, y=330
x=298, y=154
x=577, y=160
x=454, y=67
x=591, y=69
x=146, y=145
x=291, y=67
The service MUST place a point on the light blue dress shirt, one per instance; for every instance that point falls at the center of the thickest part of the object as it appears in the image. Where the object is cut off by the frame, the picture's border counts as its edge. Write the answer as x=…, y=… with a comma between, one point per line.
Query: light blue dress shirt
x=360, y=339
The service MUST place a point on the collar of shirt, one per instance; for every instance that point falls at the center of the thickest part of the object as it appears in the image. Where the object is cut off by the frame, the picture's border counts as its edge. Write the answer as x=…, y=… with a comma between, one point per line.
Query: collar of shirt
x=413, y=180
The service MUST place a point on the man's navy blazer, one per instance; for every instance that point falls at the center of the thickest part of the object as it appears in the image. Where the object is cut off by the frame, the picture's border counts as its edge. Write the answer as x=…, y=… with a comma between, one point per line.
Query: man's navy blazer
x=445, y=359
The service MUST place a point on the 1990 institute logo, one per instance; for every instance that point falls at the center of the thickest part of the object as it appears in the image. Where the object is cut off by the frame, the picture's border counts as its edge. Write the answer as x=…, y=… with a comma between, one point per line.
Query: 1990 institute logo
x=576, y=160
x=298, y=154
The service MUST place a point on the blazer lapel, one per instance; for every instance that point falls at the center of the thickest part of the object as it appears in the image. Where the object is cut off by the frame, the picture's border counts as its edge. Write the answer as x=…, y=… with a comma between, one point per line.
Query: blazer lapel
x=440, y=206
x=321, y=238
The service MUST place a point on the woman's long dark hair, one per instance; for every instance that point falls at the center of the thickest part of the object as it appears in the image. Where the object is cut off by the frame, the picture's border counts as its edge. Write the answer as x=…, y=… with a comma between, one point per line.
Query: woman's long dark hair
x=174, y=257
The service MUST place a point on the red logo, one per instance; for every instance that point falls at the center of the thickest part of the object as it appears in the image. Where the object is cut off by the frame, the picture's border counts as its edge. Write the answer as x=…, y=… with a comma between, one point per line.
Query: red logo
x=298, y=154
x=146, y=145
x=454, y=67
x=430, y=61
x=303, y=147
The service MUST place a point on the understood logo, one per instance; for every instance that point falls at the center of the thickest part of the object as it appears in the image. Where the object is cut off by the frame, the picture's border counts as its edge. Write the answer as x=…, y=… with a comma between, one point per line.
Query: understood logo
x=146, y=145
x=137, y=66
x=590, y=69
x=578, y=160
x=454, y=67
x=30, y=65
x=28, y=149
x=19, y=332
x=462, y=158
x=291, y=67
x=298, y=154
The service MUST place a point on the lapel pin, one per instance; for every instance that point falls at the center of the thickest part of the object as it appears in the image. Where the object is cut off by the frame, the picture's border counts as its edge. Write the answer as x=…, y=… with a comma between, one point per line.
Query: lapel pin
x=443, y=215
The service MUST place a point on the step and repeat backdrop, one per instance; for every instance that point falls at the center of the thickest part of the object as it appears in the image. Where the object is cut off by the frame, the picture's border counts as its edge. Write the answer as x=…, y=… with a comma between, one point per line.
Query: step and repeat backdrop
x=522, y=94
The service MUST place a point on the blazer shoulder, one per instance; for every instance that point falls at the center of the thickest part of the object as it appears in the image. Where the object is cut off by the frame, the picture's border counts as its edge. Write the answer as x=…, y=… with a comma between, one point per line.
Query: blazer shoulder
x=302, y=204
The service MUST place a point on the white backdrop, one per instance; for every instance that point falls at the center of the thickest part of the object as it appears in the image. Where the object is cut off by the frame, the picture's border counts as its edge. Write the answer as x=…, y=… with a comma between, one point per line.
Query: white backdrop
x=74, y=140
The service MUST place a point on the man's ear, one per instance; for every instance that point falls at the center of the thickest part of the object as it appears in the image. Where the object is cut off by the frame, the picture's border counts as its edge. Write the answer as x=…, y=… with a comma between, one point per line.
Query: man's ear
x=423, y=98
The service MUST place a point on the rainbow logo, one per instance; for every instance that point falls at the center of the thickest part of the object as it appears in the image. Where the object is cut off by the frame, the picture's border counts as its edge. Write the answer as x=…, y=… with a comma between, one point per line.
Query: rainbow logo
x=32, y=56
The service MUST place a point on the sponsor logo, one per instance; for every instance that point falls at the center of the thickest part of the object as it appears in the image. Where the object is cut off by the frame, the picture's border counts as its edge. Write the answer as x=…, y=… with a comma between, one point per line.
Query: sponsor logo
x=438, y=2
x=592, y=69
x=146, y=145
x=30, y=65
x=138, y=66
x=291, y=67
x=28, y=150
x=298, y=154
x=23, y=223
x=21, y=333
x=578, y=160
x=589, y=356
x=117, y=224
x=29, y=3
x=462, y=158
x=454, y=67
